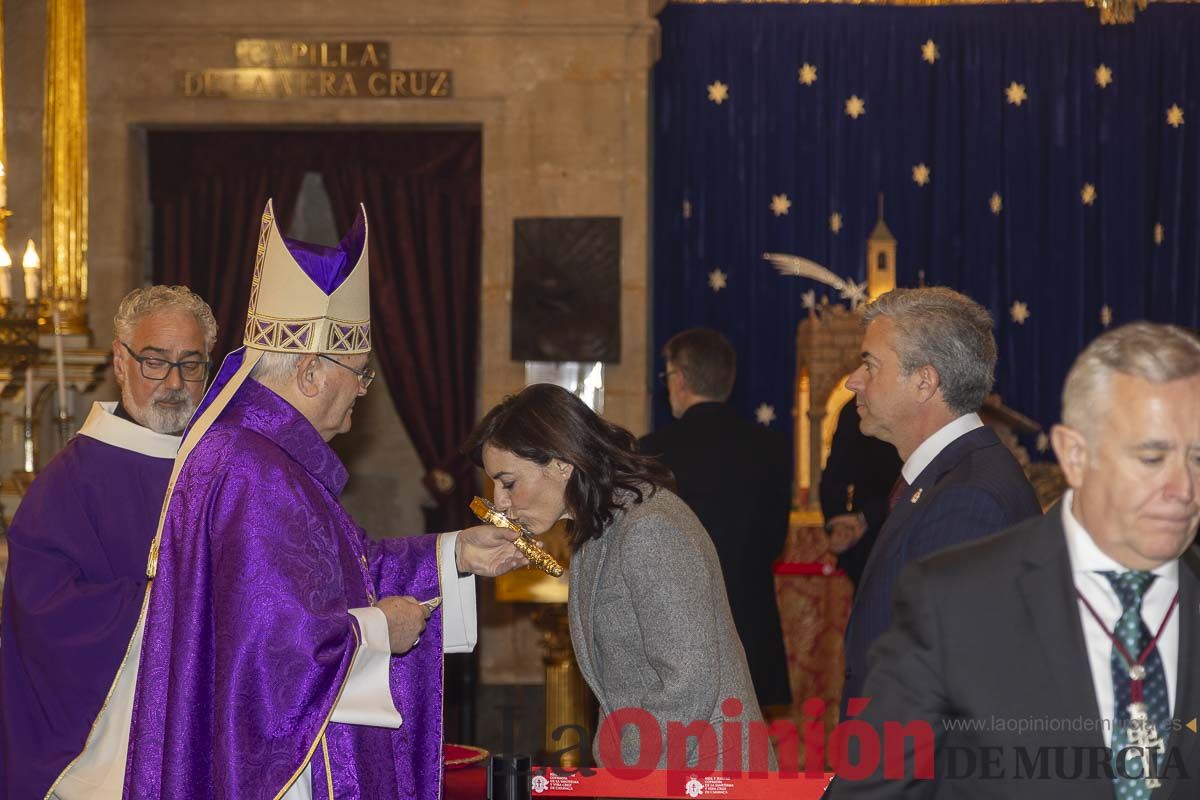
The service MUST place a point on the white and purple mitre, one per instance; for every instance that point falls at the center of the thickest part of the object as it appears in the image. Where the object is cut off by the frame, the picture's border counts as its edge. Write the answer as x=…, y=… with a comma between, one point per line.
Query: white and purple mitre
x=307, y=298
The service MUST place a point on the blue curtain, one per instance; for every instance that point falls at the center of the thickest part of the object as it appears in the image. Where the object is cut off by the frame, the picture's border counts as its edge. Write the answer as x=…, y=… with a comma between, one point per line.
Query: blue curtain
x=1018, y=112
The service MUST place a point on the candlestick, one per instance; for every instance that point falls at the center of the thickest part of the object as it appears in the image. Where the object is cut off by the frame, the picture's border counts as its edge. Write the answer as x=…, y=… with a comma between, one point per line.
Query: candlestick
x=29, y=419
x=3, y=187
x=59, y=366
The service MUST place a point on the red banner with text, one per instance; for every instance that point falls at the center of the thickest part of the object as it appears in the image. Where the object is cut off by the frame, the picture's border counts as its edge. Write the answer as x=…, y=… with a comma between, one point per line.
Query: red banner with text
x=673, y=784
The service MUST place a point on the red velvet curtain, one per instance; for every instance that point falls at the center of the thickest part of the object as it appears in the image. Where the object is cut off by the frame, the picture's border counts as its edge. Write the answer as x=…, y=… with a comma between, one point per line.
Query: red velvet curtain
x=208, y=190
x=422, y=194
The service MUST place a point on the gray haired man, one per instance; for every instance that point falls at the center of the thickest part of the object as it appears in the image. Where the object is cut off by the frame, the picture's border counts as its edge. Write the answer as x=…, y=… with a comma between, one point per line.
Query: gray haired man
x=79, y=540
x=927, y=361
x=1057, y=660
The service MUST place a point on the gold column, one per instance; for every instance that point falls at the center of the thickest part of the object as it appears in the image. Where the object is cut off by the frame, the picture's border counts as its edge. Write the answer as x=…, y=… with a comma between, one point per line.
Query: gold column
x=568, y=698
x=64, y=169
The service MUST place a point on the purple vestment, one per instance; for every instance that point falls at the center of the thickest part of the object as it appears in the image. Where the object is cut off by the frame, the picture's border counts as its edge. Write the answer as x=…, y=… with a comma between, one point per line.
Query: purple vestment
x=248, y=638
x=76, y=579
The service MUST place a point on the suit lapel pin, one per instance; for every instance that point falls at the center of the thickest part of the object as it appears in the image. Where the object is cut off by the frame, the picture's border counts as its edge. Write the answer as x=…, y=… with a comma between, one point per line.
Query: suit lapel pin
x=916, y=496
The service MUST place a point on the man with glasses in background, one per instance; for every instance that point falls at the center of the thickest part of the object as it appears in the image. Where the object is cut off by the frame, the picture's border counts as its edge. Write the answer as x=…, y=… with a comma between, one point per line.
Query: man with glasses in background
x=737, y=477
x=79, y=541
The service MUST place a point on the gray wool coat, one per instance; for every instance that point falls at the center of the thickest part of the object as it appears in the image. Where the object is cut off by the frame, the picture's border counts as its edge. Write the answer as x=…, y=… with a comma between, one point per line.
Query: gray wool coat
x=651, y=628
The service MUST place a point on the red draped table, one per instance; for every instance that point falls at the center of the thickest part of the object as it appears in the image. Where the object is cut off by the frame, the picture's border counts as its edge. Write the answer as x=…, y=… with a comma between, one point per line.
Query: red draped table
x=814, y=605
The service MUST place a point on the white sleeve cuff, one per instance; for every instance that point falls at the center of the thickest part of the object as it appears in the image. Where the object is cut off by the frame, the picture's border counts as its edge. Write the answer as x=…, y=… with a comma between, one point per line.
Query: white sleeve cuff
x=367, y=695
x=460, y=629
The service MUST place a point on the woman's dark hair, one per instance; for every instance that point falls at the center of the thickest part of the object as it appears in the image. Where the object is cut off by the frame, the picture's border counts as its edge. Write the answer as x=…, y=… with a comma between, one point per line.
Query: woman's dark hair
x=544, y=422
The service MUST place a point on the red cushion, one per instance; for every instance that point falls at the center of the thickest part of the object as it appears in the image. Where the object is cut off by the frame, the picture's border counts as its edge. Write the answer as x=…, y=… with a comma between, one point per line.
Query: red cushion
x=457, y=756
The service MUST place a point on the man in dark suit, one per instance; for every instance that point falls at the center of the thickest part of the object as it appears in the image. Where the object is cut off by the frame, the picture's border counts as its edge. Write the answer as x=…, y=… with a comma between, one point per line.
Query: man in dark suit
x=1026, y=653
x=737, y=478
x=927, y=362
x=855, y=485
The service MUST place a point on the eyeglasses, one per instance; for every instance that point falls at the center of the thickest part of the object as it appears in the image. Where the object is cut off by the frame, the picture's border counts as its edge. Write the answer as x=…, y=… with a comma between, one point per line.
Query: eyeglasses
x=159, y=369
x=665, y=375
x=365, y=375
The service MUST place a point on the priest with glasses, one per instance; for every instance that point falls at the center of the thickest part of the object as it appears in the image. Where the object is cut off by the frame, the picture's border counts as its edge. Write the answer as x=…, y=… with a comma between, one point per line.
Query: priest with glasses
x=79, y=540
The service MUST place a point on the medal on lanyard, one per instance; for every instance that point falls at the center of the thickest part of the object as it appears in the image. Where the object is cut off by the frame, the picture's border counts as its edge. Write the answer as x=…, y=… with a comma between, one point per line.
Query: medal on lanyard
x=1144, y=739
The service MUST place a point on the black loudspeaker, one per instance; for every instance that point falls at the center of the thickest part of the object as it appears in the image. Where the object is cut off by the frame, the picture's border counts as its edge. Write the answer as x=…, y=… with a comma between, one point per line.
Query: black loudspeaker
x=566, y=302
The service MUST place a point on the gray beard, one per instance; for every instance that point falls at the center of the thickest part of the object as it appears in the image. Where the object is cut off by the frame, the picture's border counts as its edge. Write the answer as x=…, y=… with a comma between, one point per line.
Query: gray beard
x=158, y=419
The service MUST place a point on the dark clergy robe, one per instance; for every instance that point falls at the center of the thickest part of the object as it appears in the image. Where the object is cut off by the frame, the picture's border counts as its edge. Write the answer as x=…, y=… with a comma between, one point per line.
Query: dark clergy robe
x=737, y=477
x=76, y=578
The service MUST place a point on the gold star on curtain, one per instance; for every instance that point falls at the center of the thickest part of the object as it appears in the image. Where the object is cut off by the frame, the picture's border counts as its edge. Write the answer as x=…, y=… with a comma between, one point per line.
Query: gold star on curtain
x=687, y=209
x=780, y=204
x=1016, y=93
x=765, y=414
x=1158, y=233
x=1043, y=442
x=929, y=51
x=920, y=174
x=996, y=203
x=718, y=92
x=808, y=74
x=855, y=107
x=1087, y=194
x=716, y=280
x=1105, y=315
x=1174, y=116
x=1103, y=76
x=835, y=222
x=1019, y=312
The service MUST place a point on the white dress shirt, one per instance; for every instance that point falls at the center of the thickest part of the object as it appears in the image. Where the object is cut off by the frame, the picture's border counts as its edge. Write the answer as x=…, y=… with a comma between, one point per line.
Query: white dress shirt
x=1087, y=562
x=928, y=450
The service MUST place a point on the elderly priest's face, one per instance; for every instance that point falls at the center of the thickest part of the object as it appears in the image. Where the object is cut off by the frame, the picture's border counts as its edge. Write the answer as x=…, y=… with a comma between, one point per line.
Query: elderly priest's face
x=345, y=379
x=162, y=369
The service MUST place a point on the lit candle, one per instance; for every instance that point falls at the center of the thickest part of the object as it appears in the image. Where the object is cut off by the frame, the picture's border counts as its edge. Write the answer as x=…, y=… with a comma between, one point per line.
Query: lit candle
x=59, y=366
x=5, y=274
x=3, y=186
x=32, y=265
